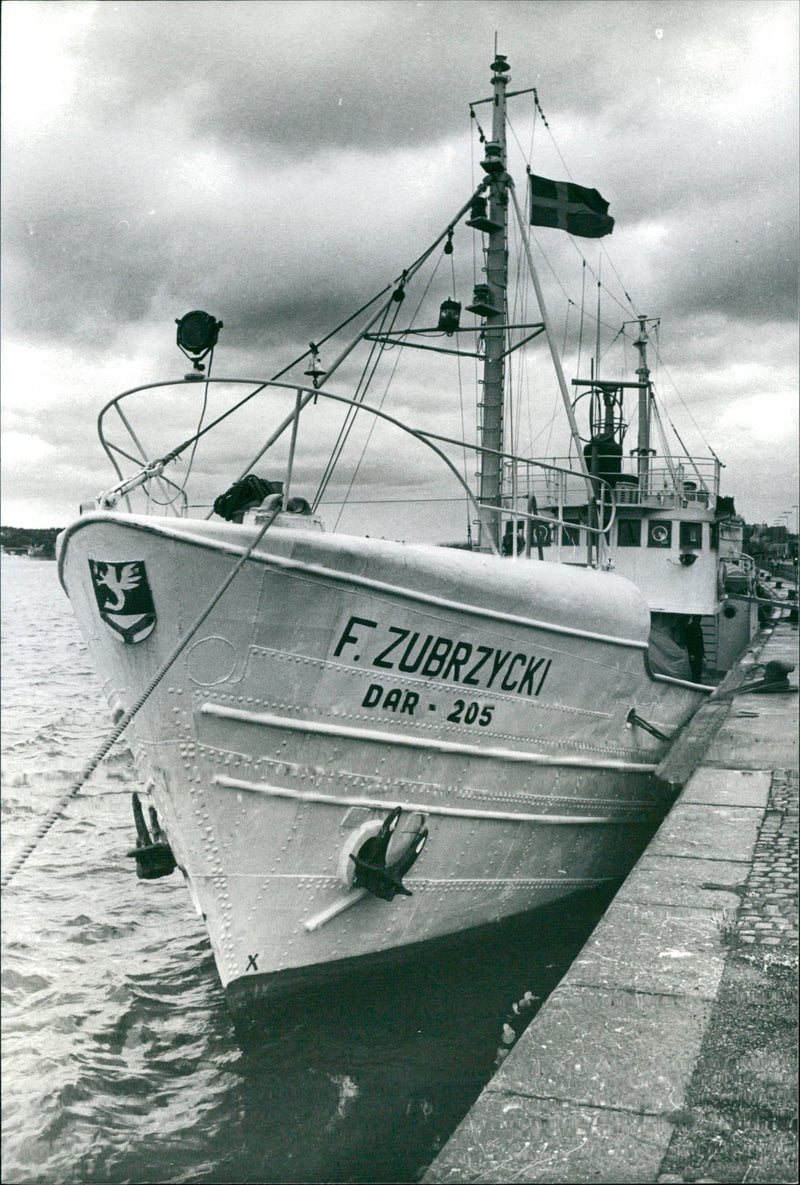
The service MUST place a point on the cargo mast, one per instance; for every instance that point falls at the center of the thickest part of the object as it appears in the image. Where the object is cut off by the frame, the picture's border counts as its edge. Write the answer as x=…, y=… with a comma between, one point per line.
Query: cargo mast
x=490, y=302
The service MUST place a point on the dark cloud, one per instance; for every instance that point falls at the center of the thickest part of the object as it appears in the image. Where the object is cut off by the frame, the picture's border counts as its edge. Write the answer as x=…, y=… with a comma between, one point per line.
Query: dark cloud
x=295, y=76
x=276, y=163
x=372, y=72
x=738, y=256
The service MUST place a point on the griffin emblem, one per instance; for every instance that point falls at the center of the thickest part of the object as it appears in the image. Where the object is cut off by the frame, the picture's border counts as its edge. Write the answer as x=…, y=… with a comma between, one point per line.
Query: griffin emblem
x=124, y=599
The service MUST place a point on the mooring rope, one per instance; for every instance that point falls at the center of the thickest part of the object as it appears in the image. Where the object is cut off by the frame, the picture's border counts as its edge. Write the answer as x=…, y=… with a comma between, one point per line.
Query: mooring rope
x=273, y=505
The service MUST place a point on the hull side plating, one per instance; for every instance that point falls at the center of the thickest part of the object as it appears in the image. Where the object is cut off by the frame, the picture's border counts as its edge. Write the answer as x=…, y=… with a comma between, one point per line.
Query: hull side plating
x=340, y=678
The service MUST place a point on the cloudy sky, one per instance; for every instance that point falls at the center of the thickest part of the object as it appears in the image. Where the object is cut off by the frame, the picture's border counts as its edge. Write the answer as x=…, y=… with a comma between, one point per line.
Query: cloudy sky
x=277, y=162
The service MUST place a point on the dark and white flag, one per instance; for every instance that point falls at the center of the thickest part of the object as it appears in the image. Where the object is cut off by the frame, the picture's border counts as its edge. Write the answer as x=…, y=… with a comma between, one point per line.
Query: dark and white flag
x=569, y=207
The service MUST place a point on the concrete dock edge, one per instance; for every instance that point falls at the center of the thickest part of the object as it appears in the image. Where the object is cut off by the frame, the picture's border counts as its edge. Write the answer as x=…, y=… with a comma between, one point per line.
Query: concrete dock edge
x=588, y=1092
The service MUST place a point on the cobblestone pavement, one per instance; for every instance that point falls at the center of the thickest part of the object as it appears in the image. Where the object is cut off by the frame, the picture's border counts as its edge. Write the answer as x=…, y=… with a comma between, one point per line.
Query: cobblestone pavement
x=768, y=913
x=767, y=916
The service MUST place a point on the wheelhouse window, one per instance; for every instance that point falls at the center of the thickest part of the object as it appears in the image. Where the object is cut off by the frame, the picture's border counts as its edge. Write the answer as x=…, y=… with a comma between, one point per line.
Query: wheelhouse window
x=691, y=535
x=629, y=532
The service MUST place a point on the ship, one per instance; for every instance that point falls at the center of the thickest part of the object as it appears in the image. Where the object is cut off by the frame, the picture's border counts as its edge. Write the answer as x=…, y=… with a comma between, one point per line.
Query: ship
x=352, y=745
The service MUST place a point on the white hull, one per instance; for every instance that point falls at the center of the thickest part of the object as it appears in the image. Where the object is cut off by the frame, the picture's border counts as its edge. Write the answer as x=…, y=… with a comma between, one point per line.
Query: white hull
x=338, y=678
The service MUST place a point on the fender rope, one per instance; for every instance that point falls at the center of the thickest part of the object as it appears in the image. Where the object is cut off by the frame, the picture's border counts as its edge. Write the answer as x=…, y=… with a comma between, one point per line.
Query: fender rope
x=273, y=505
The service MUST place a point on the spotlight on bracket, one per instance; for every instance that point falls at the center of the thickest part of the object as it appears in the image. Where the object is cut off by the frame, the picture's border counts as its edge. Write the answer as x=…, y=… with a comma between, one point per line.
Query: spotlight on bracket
x=449, y=316
x=197, y=335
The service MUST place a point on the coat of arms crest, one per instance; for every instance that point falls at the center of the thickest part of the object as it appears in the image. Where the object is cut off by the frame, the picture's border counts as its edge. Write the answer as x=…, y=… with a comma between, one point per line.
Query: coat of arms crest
x=124, y=599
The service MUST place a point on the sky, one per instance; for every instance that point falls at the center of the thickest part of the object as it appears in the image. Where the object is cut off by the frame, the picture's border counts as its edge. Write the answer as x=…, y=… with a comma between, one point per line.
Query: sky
x=277, y=163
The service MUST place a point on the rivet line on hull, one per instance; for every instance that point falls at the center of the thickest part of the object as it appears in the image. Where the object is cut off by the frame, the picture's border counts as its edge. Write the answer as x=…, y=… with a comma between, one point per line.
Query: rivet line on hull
x=379, y=804
x=373, y=736
x=389, y=785
x=521, y=798
x=428, y=883
x=411, y=681
x=271, y=705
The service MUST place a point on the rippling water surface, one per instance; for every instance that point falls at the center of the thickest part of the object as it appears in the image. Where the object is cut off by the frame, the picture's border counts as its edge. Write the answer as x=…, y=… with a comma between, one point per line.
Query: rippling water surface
x=120, y=1061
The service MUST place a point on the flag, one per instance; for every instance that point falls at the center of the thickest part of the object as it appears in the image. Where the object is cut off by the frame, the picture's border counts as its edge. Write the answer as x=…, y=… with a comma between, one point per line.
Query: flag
x=569, y=207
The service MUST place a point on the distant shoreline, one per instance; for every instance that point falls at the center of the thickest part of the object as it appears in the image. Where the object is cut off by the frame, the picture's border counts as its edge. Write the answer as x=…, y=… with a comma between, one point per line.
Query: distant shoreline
x=39, y=542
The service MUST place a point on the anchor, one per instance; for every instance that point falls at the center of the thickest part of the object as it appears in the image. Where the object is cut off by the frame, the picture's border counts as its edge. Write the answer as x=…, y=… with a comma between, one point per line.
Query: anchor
x=373, y=874
x=153, y=854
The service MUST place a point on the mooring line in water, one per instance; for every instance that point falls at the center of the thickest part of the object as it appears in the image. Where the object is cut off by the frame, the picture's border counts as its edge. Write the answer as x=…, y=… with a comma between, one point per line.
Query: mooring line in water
x=272, y=505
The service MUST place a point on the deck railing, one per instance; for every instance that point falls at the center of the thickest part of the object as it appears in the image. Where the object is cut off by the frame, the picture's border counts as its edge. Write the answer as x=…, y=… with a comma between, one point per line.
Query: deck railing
x=522, y=520
x=677, y=481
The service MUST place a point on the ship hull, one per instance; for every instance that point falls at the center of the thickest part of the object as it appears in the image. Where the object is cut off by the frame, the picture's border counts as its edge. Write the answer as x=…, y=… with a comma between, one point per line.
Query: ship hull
x=337, y=679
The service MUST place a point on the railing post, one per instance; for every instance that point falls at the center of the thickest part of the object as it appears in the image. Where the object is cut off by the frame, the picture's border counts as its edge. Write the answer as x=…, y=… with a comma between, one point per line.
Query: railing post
x=298, y=406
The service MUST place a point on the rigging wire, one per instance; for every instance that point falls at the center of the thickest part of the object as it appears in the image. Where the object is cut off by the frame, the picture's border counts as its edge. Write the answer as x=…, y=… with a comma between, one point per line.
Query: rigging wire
x=632, y=307
x=401, y=281
x=616, y=273
x=684, y=405
x=583, y=312
x=512, y=129
x=663, y=437
x=507, y=440
x=556, y=396
x=533, y=132
x=190, y=463
x=407, y=273
x=566, y=326
x=519, y=314
x=359, y=394
x=586, y=265
x=625, y=362
x=481, y=133
x=529, y=400
x=524, y=395
x=389, y=380
x=538, y=107
x=461, y=405
x=480, y=340
x=620, y=333
x=10, y=870
x=349, y=416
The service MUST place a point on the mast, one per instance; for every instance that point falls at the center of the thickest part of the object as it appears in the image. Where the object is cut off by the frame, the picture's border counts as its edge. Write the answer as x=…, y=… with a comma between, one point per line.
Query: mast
x=491, y=464
x=643, y=450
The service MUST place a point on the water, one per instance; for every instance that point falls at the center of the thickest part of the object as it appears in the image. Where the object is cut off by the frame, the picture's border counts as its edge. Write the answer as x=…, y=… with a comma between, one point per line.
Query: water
x=120, y=1060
